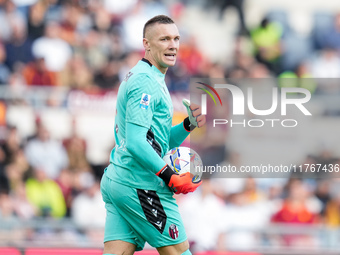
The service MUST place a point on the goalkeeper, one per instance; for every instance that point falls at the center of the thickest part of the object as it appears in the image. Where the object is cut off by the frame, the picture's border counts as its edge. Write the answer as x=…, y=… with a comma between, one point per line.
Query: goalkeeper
x=137, y=186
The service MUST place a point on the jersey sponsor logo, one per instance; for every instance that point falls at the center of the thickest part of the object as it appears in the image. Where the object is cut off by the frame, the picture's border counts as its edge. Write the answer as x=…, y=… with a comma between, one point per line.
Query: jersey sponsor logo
x=121, y=145
x=173, y=231
x=165, y=92
x=127, y=76
x=145, y=101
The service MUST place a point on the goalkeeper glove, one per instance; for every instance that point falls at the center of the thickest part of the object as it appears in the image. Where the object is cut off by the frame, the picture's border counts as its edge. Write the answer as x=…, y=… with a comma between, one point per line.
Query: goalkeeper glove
x=178, y=183
x=195, y=118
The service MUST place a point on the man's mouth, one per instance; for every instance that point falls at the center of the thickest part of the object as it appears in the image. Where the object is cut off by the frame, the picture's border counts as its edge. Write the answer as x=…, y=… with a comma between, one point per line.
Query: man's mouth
x=170, y=56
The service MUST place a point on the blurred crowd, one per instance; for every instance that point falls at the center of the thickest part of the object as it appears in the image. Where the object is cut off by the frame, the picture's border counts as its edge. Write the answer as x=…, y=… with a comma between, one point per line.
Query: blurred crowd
x=249, y=213
x=41, y=177
x=89, y=45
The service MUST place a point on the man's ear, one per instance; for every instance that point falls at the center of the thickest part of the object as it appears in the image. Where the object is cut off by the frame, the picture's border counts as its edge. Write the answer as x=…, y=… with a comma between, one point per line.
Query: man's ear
x=146, y=44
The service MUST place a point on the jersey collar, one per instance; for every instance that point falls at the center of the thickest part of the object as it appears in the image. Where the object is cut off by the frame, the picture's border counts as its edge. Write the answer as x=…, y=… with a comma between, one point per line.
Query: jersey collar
x=147, y=61
x=155, y=69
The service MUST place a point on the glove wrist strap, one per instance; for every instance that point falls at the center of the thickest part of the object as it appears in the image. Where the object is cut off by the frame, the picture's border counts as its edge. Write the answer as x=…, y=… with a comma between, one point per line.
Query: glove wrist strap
x=165, y=173
x=187, y=125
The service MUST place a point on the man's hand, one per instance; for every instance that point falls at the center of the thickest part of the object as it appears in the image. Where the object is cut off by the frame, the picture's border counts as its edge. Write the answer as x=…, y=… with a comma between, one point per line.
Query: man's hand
x=194, y=112
x=178, y=183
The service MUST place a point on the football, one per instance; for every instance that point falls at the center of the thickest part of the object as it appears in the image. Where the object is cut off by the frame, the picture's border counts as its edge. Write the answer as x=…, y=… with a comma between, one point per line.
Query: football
x=183, y=159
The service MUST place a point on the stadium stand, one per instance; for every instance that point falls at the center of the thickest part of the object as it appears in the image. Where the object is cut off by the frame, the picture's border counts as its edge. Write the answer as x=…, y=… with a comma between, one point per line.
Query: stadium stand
x=71, y=94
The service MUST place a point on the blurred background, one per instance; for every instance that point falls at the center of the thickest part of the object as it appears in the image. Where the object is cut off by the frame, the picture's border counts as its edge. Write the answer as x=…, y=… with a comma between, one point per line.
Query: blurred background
x=61, y=63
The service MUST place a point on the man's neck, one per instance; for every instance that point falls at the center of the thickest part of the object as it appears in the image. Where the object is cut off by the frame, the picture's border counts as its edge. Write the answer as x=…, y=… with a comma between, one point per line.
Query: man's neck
x=152, y=62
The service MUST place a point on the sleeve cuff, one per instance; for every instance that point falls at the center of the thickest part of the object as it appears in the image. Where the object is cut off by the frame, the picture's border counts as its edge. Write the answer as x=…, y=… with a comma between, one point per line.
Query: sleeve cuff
x=187, y=125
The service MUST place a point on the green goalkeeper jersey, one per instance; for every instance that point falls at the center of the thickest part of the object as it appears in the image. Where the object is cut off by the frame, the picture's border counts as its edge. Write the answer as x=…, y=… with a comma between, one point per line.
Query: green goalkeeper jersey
x=144, y=100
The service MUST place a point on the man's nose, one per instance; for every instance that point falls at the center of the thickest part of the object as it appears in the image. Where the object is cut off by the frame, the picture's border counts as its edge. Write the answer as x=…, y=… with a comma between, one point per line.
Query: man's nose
x=173, y=44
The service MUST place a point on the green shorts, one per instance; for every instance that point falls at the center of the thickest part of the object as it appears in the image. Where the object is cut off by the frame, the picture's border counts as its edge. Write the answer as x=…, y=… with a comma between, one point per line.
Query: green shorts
x=138, y=216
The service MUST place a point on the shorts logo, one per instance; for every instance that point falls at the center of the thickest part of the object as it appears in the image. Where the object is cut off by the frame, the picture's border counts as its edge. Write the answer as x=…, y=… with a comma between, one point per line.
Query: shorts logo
x=153, y=209
x=173, y=231
x=150, y=200
x=159, y=224
x=145, y=101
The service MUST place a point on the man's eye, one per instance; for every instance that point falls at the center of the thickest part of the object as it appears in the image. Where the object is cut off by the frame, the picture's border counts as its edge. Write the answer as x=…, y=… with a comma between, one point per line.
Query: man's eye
x=163, y=39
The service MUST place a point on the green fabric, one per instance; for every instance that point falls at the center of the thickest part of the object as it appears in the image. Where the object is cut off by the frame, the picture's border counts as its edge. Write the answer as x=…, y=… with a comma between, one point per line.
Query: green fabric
x=289, y=79
x=143, y=100
x=126, y=220
x=187, y=252
x=142, y=151
x=47, y=196
x=177, y=135
x=268, y=36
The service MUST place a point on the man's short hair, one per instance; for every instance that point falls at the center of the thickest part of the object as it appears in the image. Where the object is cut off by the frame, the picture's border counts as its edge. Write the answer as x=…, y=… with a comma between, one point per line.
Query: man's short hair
x=161, y=19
